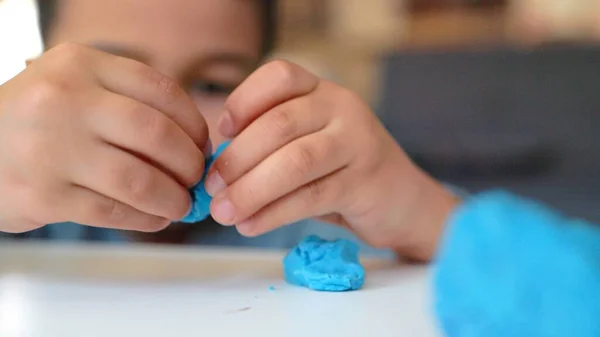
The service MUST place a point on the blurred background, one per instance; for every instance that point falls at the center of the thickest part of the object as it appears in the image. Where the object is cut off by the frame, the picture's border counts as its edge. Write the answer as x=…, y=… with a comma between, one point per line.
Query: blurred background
x=481, y=93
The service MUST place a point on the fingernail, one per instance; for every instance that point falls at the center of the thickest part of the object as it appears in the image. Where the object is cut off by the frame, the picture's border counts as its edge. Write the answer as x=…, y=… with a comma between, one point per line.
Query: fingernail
x=208, y=149
x=214, y=183
x=226, y=124
x=224, y=212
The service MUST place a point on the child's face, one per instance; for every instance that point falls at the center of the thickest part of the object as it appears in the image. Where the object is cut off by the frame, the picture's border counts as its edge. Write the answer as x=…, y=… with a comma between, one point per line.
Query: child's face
x=210, y=46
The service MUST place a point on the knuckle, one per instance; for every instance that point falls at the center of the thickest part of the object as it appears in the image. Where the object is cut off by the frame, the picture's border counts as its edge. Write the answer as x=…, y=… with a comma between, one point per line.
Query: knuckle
x=351, y=102
x=281, y=123
x=68, y=47
x=42, y=95
x=285, y=72
x=302, y=161
x=140, y=183
x=160, y=133
x=109, y=211
x=67, y=54
x=155, y=128
x=168, y=89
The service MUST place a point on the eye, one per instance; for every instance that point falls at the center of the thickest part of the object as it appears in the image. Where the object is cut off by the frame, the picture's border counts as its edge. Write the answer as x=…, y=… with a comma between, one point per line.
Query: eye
x=211, y=88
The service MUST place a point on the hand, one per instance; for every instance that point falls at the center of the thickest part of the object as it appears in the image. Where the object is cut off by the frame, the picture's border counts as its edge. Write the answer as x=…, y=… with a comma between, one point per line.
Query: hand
x=305, y=147
x=96, y=139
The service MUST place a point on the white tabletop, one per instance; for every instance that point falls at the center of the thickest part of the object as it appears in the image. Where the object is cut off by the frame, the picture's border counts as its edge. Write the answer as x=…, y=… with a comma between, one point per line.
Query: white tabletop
x=63, y=291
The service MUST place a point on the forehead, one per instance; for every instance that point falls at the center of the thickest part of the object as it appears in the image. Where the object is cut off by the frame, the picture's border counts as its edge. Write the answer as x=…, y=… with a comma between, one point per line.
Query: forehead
x=162, y=26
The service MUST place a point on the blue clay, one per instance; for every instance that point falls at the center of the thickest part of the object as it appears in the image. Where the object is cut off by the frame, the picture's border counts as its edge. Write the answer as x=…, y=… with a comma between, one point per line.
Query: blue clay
x=323, y=265
x=509, y=266
x=201, y=200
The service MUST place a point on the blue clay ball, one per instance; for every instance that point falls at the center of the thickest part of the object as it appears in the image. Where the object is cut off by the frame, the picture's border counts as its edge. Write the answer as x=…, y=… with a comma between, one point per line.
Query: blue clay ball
x=200, y=199
x=323, y=265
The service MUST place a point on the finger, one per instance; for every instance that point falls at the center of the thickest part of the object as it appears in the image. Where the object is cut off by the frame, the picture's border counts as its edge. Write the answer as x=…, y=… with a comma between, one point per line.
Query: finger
x=271, y=85
x=122, y=176
x=89, y=208
x=143, y=130
x=271, y=131
x=18, y=226
x=317, y=198
x=296, y=164
x=145, y=84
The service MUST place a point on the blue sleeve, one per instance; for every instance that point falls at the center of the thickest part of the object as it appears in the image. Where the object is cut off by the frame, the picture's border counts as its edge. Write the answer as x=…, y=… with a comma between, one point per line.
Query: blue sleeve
x=512, y=267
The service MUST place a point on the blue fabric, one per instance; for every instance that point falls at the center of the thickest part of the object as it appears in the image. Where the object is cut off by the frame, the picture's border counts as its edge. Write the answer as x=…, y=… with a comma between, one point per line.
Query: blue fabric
x=201, y=200
x=512, y=267
x=285, y=237
x=67, y=231
x=324, y=265
x=73, y=232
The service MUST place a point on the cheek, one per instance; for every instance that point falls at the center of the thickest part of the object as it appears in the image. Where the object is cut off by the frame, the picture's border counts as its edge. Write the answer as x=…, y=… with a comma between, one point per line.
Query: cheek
x=211, y=109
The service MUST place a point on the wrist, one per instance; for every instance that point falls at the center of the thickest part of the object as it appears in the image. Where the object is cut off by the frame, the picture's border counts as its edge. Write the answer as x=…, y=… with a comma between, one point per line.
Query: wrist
x=424, y=220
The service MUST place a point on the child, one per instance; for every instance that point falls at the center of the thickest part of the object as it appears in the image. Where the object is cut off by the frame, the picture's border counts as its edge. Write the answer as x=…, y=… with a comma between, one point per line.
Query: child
x=121, y=106
x=110, y=127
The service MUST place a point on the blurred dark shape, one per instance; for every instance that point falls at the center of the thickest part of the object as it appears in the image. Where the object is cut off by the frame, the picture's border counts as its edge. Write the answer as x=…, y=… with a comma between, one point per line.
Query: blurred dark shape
x=435, y=5
x=177, y=233
x=504, y=155
x=523, y=119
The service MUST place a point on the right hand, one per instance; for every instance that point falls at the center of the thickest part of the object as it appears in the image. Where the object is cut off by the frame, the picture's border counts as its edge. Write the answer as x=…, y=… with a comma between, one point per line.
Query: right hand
x=96, y=139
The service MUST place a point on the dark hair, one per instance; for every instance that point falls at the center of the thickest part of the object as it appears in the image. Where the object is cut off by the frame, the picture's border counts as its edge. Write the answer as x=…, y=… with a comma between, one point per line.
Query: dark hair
x=47, y=13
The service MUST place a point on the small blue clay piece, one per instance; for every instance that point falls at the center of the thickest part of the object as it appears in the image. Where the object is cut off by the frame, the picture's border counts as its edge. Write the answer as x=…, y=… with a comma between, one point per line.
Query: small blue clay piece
x=323, y=265
x=201, y=200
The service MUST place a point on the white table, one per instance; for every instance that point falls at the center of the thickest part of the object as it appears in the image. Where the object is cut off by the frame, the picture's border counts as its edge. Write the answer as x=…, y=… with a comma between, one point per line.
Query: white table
x=110, y=291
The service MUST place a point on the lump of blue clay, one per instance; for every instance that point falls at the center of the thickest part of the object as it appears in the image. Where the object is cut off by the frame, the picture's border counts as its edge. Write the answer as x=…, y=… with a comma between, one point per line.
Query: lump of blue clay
x=323, y=265
x=509, y=266
x=200, y=199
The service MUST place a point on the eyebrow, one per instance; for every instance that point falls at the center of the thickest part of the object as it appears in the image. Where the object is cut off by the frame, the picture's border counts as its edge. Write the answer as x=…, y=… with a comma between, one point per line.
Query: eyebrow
x=122, y=51
x=246, y=62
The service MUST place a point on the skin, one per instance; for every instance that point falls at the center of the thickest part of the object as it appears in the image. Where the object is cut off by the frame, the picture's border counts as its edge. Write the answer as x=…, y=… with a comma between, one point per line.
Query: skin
x=111, y=135
x=322, y=153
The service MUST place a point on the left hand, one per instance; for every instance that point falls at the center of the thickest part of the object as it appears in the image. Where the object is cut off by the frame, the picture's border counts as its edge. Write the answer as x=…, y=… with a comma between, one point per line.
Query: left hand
x=305, y=147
